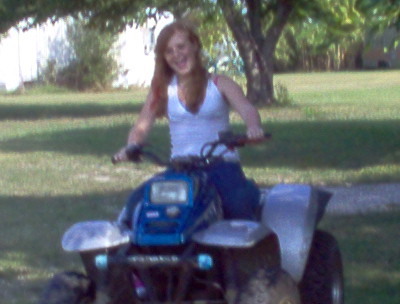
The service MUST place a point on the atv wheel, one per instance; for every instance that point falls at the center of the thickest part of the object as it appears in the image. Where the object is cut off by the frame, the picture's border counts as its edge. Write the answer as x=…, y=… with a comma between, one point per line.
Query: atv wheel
x=68, y=288
x=322, y=282
x=270, y=286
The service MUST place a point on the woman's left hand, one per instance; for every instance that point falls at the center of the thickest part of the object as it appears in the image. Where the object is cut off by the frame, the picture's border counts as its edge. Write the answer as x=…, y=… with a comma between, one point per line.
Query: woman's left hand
x=255, y=133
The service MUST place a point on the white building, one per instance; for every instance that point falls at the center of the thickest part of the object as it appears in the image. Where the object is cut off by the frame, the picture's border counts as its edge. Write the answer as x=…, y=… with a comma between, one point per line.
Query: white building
x=23, y=54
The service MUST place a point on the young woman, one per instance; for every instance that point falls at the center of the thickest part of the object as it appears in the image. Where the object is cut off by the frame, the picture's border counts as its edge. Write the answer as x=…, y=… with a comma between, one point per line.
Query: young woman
x=197, y=106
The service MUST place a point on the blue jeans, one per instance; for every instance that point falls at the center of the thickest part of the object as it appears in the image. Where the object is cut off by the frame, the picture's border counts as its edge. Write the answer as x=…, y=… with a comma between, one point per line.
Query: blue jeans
x=240, y=196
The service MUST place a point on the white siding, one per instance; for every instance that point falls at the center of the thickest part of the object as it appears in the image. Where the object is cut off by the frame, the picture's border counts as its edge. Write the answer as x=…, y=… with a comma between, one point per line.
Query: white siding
x=23, y=53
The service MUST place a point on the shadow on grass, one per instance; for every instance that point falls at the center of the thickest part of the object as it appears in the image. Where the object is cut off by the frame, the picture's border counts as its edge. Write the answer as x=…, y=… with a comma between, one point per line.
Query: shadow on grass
x=370, y=256
x=34, y=224
x=39, y=111
x=329, y=144
x=30, y=240
x=32, y=228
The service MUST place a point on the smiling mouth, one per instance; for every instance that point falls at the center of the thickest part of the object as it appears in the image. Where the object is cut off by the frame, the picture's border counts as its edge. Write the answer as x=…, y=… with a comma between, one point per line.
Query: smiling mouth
x=181, y=63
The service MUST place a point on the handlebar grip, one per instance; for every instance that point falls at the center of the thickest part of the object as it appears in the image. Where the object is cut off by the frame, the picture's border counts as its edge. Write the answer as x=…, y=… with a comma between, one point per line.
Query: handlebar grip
x=232, y=140
x=267, y=135
x=243, y=139
x=133, y=153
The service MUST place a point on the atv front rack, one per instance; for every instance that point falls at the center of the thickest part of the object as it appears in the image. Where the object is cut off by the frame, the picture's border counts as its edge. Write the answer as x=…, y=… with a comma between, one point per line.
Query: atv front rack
x=200, y=261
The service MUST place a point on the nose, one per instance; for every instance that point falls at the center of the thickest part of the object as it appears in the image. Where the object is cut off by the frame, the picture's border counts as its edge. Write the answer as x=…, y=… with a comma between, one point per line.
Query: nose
x=175, y=52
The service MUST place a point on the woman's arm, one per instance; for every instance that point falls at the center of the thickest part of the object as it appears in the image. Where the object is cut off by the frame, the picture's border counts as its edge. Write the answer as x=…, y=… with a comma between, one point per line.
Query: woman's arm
x=233, y=93
x=143, y=124
x=140, y=129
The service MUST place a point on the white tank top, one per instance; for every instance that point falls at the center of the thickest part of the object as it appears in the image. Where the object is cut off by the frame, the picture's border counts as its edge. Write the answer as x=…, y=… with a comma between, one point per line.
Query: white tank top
x=190, y=131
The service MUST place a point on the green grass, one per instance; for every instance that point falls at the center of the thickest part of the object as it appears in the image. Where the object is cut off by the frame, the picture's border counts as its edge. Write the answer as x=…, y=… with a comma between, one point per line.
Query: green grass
x=55, y=146
x=370, y=255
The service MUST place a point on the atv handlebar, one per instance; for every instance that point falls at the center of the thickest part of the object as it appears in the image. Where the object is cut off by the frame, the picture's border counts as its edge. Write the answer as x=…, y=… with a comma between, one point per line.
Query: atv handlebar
x=135, y=153
x=232, y=140
x=229, y=139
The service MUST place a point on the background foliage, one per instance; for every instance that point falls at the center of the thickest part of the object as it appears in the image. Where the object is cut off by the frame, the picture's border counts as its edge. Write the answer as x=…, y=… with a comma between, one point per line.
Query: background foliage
x=322, y=34
x=91, y=63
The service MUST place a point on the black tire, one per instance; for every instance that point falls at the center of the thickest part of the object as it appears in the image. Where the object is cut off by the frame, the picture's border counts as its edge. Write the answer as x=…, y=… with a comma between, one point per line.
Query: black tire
x=322, y=281
x=68, y=288
x=247, y=261
x=113, y=285
x=270, y=286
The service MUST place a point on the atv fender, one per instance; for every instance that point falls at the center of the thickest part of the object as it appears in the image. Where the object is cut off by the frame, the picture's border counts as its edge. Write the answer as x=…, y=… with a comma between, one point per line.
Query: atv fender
x=93, y=235
x=232, y=234
x=292, y=212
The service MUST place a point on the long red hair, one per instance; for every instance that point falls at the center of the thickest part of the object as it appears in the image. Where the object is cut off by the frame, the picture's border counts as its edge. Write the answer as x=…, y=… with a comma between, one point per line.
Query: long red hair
x=163, y=73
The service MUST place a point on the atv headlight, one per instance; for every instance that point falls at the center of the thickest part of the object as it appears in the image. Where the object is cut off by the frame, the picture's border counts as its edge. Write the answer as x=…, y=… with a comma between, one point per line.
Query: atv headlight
x=169, y=192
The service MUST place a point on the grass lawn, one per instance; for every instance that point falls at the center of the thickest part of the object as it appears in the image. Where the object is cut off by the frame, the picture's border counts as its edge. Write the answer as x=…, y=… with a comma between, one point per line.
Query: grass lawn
x=342, y=128
x=370, y=256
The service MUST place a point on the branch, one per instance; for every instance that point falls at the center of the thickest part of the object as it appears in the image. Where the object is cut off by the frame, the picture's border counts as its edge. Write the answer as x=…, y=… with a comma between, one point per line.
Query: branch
x=254, y=17
x=283, y=11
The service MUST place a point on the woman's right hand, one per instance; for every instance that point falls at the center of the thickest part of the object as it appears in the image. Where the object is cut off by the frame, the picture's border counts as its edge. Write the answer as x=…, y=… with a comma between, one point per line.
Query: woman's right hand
x=120, y=156
x=132, y=152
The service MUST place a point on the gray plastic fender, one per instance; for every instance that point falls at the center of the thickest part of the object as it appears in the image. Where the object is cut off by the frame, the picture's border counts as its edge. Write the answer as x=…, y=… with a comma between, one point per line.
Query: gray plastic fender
x=232, y=234
x=92, y=235
x=292, y=212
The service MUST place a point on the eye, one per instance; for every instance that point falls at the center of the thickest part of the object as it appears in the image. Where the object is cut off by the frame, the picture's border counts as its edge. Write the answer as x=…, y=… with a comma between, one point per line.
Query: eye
x=168, y=51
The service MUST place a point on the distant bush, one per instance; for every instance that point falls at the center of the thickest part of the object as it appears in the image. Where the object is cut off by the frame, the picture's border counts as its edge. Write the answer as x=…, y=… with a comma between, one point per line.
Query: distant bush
x=91, y=64
x=282, y=96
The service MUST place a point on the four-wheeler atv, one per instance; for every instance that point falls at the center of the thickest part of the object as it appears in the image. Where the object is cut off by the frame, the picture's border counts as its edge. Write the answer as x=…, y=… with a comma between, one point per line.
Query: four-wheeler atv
x=180, y=249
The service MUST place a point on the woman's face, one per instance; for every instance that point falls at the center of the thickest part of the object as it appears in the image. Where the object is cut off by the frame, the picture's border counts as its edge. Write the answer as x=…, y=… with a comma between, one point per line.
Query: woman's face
x=180, y=53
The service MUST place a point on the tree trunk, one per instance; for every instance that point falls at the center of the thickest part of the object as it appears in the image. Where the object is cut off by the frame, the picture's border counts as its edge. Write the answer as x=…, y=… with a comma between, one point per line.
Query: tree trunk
x=255, y=45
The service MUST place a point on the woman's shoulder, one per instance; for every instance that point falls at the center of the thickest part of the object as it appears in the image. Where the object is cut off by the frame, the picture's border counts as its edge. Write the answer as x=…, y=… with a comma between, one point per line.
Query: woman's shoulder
x=223, y=82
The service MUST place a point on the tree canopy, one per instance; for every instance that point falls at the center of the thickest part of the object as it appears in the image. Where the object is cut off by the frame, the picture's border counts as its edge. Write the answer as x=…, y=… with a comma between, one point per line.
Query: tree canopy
x=255, y=25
